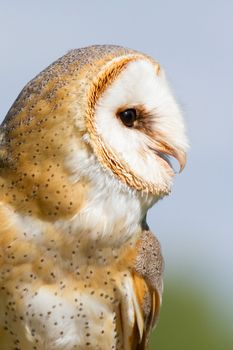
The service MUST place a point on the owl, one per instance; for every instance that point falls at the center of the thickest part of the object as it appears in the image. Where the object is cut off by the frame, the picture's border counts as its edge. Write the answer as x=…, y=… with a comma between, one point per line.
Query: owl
x=85, y=151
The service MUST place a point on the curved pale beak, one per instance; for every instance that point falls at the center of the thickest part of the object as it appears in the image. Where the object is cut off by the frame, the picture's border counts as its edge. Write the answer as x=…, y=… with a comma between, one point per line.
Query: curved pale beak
x=164, y=150
x=181, y=157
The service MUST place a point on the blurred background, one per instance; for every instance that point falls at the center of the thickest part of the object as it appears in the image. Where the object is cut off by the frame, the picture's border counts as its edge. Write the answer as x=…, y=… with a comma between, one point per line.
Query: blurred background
x=193, y=42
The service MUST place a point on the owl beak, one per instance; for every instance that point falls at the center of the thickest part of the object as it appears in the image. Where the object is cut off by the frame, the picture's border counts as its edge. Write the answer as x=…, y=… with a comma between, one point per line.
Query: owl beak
x=165, y=151
x=181, y=157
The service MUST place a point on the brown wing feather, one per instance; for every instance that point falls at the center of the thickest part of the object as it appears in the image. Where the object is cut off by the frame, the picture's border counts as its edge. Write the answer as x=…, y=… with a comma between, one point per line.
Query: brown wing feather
x=147, y=278
x=149, y=305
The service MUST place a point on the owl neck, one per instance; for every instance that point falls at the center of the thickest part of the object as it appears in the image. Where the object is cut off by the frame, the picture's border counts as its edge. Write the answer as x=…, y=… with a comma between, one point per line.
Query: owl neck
x=112, y=212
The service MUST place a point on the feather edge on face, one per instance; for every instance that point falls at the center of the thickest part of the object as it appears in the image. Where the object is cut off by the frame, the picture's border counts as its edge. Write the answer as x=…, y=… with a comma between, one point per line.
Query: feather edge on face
x=105, y=154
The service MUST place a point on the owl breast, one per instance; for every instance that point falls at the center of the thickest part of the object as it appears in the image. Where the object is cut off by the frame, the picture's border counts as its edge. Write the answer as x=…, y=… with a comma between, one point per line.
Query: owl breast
x=64, y=292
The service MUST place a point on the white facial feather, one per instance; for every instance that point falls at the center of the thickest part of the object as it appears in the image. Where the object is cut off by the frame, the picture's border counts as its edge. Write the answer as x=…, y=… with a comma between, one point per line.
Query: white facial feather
x=139, y=84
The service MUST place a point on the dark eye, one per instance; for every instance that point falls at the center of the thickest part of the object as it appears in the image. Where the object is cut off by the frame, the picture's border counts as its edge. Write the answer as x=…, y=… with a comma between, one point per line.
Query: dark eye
x=128, y=117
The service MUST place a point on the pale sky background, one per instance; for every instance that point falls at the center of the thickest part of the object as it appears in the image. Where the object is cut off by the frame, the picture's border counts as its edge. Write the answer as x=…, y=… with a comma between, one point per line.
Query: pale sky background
x=193, y=40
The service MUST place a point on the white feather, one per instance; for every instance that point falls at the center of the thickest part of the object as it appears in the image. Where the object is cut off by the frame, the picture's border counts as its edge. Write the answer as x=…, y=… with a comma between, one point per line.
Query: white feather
x=139, y=84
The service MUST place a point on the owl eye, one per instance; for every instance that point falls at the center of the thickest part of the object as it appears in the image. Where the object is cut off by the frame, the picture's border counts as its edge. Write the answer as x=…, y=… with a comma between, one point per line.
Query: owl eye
x=128, y=117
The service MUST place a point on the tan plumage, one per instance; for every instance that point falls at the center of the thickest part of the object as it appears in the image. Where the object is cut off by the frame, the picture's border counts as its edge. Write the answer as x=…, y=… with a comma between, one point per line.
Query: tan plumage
x=79, y=267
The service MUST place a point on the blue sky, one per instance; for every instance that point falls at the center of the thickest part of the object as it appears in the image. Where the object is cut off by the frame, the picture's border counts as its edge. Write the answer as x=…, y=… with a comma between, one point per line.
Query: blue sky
x=193, y=42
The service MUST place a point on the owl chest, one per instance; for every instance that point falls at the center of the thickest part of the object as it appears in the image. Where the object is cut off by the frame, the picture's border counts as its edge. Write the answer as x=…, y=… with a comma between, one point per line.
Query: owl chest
x=69, y=298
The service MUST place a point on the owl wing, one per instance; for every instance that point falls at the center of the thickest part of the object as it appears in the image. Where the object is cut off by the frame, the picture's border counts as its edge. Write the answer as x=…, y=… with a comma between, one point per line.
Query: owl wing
x=146, y=308
x=147, y=288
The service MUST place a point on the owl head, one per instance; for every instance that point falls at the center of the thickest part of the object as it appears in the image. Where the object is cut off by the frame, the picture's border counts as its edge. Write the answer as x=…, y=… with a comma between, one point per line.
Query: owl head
x=98, y=114
x=134, y=124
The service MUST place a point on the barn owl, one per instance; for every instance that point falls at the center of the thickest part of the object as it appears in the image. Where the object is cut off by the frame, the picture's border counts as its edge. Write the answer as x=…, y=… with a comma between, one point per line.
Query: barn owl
x=85, y=152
